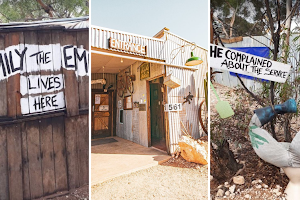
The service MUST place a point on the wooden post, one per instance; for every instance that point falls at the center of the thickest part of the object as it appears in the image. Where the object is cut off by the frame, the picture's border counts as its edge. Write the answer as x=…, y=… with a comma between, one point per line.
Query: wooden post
x=3, y=84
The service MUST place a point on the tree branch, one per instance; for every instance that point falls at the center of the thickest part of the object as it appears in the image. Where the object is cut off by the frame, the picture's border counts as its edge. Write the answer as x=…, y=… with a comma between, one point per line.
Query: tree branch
x=242, y=83
x=46, y=8
x=249, y=92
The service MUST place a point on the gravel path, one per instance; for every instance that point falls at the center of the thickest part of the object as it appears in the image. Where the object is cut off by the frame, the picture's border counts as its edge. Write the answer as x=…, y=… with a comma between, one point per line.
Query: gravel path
x=158, y=182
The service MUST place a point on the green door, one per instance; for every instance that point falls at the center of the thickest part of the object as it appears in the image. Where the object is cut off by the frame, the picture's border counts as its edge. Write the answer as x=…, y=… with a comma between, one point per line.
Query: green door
x=158, y=137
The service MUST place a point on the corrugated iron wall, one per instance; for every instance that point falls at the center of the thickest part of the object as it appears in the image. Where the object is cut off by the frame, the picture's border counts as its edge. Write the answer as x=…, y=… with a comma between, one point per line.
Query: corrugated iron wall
x=134, y=127
x=192, y=81
x=110, y=80
x=178, y=50
x=100, y=39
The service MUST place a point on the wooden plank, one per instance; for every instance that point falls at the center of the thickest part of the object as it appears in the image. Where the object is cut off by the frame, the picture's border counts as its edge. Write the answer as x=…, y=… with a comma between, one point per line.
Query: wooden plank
x=25, y=164
x=71, y=146
x=18, y=81
x=232, y=40
x=34, y=157
x=83, y=81
x=3, y=94
x=71, y=84
x=44, y=41
x=47, y=156
x=32, y=67
x=56, y=57
x=83, y=149
x=14, y=155
x=167, y=131
x=3, y=165
x=13, y=82
x=60, y=158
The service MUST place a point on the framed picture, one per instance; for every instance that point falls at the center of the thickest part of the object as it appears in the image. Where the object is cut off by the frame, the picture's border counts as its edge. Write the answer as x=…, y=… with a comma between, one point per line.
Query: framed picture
x=144, y=70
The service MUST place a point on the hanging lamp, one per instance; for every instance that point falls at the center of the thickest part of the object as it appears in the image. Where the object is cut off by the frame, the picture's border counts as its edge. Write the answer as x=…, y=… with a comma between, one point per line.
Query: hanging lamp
x=193, y=60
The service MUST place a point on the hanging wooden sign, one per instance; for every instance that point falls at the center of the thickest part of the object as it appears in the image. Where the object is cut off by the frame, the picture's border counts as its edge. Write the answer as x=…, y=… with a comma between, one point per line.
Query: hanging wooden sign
x=244, y=63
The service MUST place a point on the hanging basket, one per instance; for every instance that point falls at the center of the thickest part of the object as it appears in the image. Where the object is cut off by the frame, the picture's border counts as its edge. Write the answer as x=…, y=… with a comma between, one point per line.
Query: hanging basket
x=172, y=81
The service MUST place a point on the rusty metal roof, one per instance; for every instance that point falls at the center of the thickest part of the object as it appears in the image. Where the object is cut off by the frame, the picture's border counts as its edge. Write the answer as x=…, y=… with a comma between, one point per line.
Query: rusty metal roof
x=67, y=23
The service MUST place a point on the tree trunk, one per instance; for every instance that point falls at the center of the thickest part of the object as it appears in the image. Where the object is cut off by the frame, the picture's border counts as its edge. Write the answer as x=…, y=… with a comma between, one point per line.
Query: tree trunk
x=287, y=132
x=222, y=162
x=232, y=21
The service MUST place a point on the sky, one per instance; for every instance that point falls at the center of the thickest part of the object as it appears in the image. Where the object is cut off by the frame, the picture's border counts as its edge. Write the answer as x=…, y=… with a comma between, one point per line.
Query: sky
x=185, y=18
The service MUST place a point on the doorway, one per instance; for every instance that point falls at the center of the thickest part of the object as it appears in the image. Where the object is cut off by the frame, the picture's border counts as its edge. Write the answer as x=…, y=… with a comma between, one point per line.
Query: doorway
x=102, y=113
x=158, y=136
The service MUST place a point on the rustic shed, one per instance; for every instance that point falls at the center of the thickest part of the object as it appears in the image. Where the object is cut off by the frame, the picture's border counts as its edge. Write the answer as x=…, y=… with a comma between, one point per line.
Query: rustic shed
x=133, y=101
x=44, y=142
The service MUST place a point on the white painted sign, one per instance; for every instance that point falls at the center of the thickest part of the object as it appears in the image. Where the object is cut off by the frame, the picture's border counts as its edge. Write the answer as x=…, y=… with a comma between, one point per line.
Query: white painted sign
x=104, y=108
x=244, y=63
x=97, y=98
x=173, y=107
x=127, y=46
x=40, y=69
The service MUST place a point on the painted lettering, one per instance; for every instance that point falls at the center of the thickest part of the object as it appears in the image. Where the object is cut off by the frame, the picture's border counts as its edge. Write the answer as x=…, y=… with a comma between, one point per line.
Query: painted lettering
x=215, y=52
x=7, y=62
x=68, y=56
x=127, y=46
x=41, y=57
x=47, y=82
x=81, y=57
x=244, y=63
x=43, y=102
x=42, y=92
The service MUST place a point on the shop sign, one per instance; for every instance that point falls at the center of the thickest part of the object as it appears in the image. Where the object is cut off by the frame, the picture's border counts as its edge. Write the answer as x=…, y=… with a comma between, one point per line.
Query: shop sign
x=144, y=70
x=173, y=107
x=244, y=63
x=127, y=46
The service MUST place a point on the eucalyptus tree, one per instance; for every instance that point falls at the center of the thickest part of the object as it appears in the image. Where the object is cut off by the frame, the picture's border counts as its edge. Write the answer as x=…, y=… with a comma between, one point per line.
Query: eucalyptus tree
x=31, y=10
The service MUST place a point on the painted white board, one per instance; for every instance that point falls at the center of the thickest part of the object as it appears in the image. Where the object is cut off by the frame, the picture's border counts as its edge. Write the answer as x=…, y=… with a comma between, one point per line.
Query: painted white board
x=247, y=64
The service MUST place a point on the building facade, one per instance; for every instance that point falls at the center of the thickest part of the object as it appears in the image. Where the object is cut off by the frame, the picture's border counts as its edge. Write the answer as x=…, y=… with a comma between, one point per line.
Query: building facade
x=148, y=95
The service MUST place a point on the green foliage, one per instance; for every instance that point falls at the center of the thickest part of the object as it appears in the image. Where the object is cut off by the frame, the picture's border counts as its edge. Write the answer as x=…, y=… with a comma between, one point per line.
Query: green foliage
x=30, y=10
x=250, y=16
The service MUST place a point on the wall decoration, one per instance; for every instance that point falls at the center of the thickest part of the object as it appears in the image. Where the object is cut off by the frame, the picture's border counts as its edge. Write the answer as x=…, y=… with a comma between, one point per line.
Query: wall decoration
x=97, y=98
x=144, y=70
x=128, y=104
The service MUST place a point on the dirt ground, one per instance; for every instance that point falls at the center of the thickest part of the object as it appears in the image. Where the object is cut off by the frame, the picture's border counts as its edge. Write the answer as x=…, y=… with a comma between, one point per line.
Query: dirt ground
x=81, y=193
x=174, y=179
x=262, y=180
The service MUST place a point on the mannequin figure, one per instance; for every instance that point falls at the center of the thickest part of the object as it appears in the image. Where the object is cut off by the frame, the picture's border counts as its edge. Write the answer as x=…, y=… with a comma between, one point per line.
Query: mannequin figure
x=281, y=154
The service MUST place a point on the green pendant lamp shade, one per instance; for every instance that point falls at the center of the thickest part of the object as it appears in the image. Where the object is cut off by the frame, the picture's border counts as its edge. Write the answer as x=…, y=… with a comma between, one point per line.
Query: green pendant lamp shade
x=193, y=60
